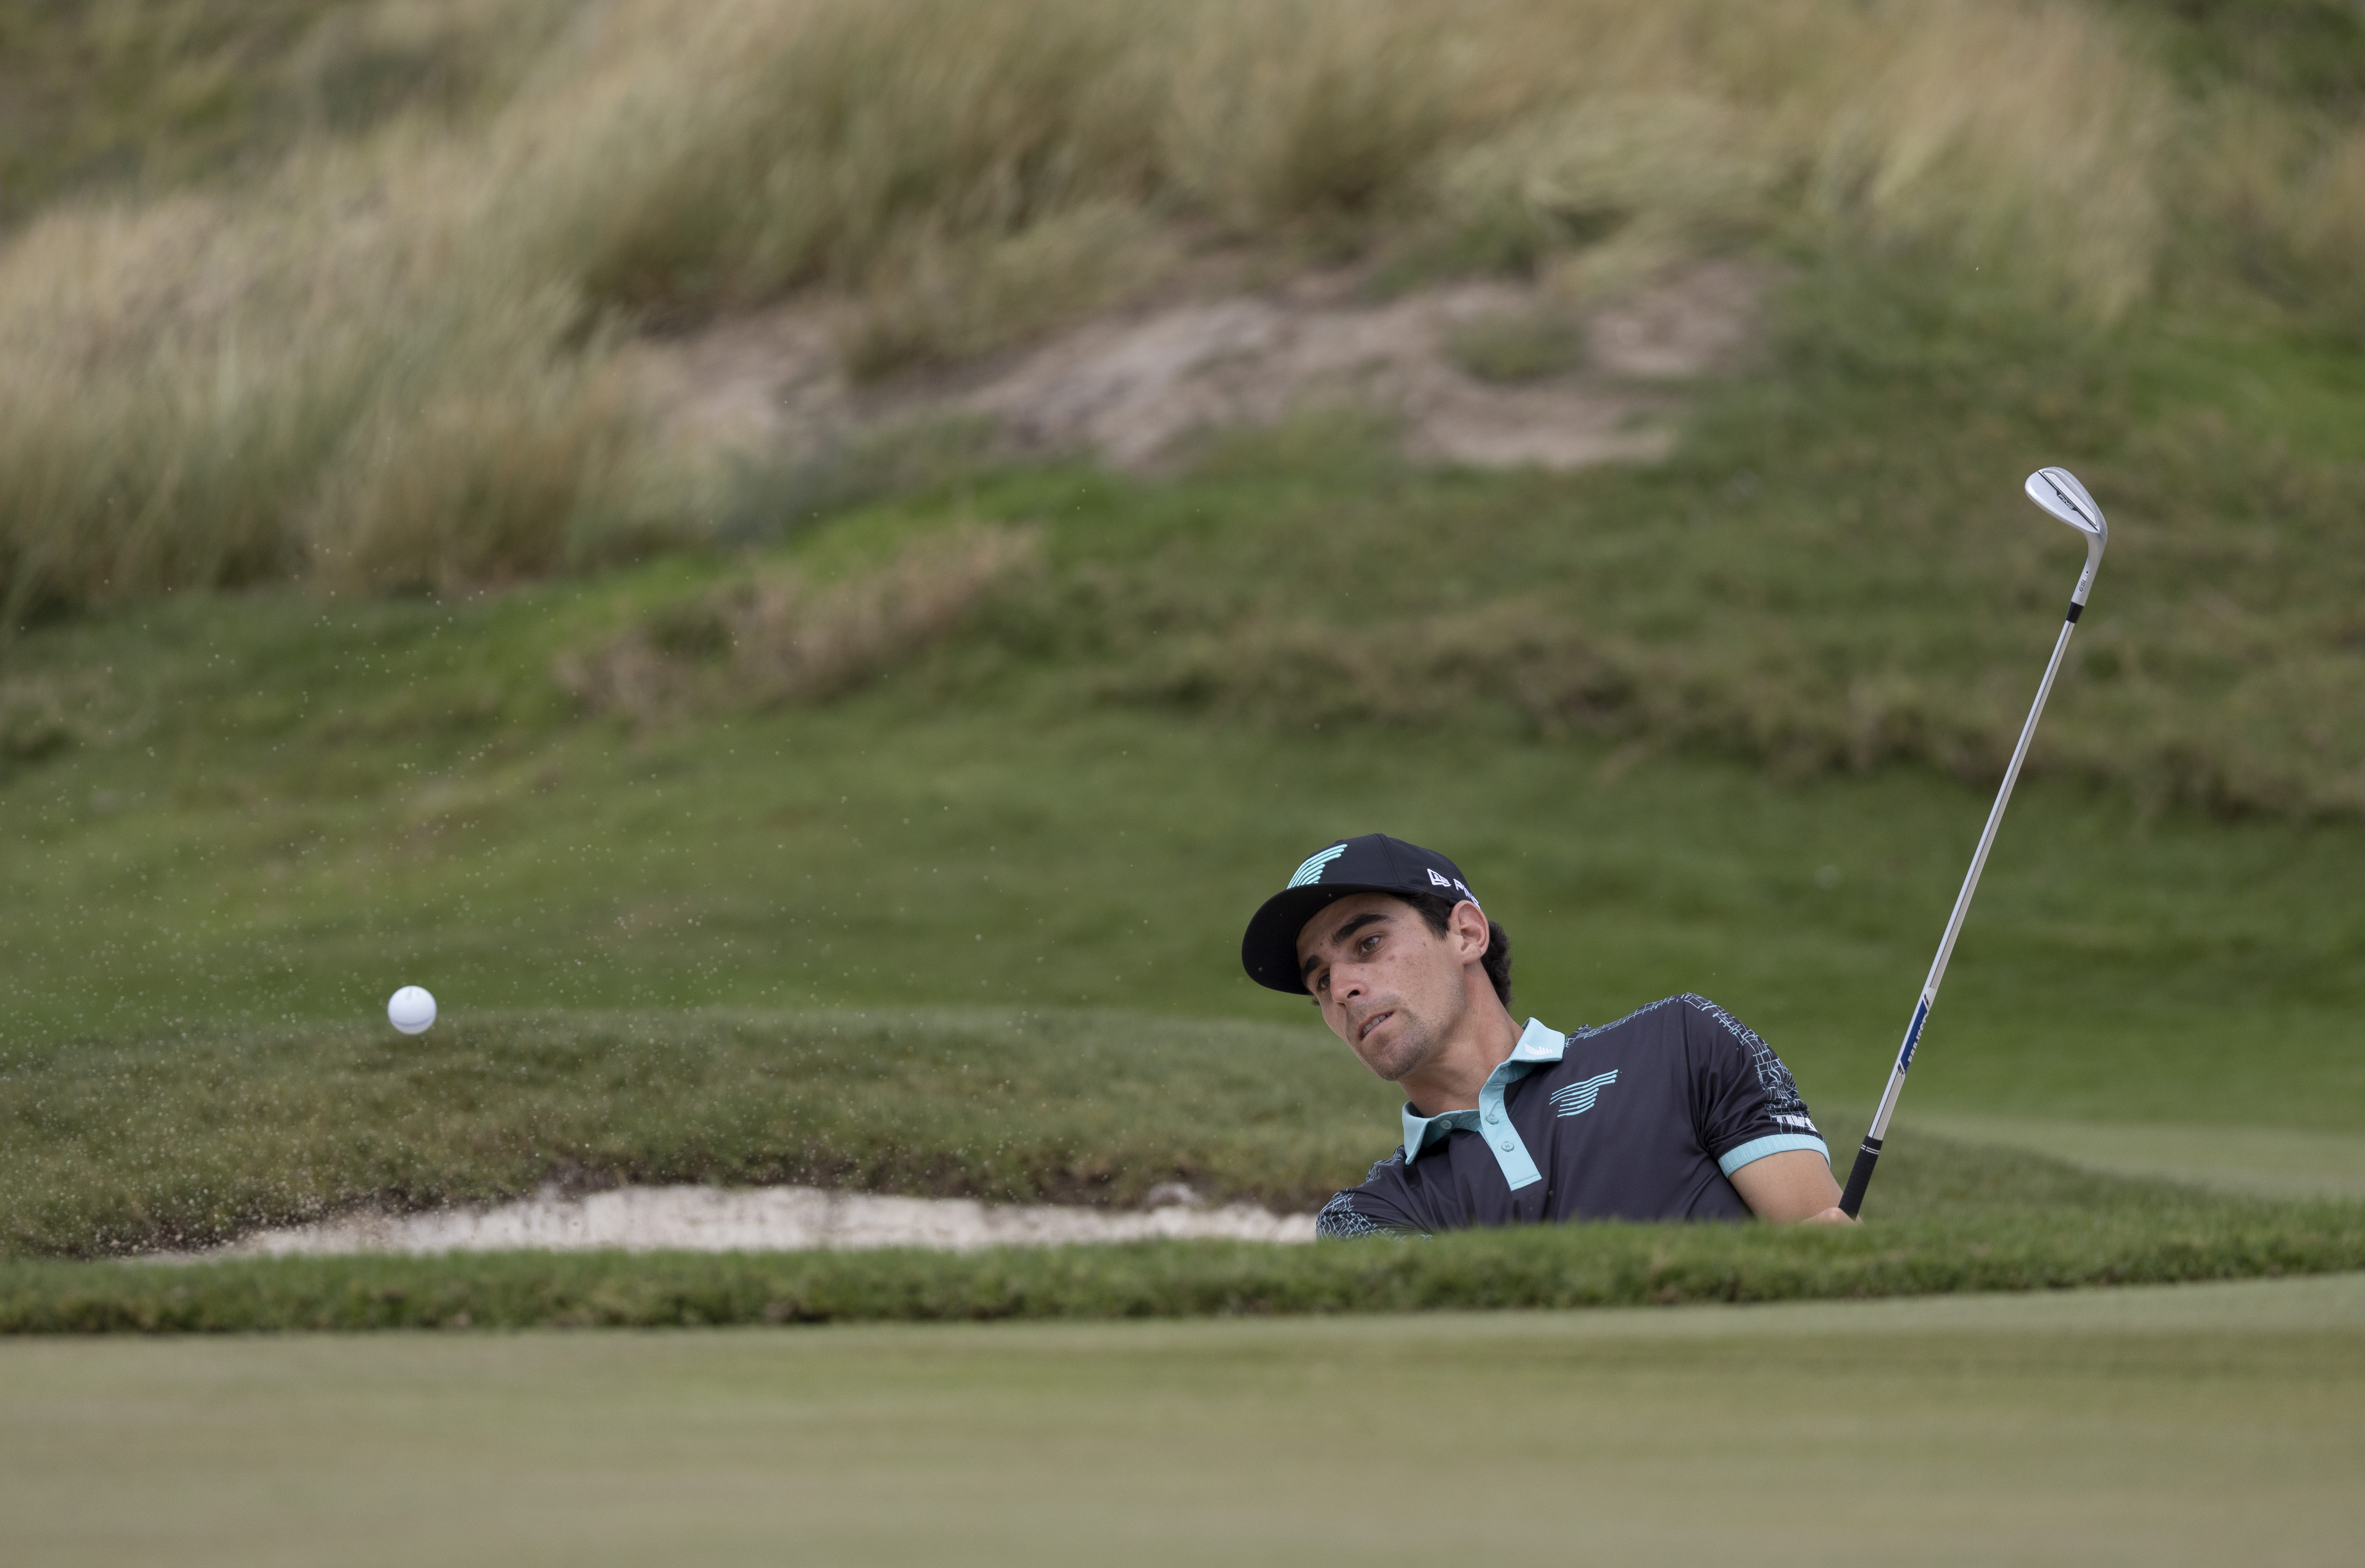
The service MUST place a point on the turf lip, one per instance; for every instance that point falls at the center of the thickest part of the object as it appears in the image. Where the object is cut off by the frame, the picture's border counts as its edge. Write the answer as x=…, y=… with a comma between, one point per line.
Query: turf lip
x=1578, y=1265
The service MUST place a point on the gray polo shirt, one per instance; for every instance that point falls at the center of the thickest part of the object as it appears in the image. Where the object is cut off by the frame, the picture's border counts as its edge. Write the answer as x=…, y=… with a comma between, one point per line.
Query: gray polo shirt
x=1643, y=1119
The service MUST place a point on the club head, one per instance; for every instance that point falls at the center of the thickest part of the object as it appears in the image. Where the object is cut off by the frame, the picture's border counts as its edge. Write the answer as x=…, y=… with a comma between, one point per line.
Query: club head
x=2059, y=492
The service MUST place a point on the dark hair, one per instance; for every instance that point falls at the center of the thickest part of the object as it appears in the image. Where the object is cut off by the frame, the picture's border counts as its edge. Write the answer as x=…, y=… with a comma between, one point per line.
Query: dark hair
x=1437, y=913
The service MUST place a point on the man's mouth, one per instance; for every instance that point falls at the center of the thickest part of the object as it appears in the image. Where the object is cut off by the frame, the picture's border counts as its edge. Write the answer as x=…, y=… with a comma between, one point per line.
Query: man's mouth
x=1374, y=1022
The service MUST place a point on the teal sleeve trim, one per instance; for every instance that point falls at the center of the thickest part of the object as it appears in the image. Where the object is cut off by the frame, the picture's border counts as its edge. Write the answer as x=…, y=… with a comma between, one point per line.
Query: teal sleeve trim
x=1757, y=1148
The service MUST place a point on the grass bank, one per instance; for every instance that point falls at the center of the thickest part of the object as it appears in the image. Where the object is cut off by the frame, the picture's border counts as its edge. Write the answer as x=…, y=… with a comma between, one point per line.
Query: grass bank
x=232, y=815
x=409, y=393
x=186, y=1141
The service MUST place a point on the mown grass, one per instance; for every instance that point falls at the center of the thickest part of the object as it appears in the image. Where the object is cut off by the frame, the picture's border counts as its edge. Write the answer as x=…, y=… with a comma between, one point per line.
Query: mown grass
x=344, y=798
x=2187, y=1426
x=2156, y=1239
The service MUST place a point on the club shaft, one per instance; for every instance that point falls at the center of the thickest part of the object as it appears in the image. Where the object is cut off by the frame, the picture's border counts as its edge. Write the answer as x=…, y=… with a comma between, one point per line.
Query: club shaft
x=1852, y=1200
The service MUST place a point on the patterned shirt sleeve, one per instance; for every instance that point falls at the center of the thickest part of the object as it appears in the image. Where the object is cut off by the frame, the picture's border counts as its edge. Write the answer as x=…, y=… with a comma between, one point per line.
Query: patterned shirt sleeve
x=1745, y=1104
x=1367, y=1210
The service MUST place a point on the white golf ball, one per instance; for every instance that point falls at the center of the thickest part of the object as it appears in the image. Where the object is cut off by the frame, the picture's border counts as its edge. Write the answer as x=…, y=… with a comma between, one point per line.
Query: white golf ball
x=410, y=1010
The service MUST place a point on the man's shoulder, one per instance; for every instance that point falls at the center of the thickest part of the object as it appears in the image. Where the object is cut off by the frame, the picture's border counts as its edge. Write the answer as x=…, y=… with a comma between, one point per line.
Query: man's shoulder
x=1686, y=1034
x=1382, y=1204
x=1669, y=1014
x=1700, y=1039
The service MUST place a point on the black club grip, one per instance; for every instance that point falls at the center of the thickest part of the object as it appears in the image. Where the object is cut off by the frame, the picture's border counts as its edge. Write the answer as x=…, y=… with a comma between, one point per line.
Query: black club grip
x=1852, y=1201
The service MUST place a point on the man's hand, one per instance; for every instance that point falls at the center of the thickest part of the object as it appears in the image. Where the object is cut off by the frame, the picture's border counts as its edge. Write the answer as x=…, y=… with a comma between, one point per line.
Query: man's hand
x=1791, y=1186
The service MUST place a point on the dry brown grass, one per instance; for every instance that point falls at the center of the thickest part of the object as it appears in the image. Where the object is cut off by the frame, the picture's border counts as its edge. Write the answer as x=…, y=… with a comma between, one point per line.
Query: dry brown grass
x=338, y=374
x=777, y=637
x=384, y=364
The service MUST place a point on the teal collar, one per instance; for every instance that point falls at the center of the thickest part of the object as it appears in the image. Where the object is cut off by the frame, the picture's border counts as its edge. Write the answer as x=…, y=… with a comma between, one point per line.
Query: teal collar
x=1537, y=1046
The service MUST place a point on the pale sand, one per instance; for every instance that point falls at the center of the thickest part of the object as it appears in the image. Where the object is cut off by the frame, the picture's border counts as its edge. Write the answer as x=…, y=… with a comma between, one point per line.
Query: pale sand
x=761, y=1219
x=1137, y=387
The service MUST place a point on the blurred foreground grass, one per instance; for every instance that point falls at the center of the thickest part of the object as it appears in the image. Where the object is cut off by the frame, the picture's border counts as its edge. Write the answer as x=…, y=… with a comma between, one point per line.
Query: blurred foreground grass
x=2196, y=1425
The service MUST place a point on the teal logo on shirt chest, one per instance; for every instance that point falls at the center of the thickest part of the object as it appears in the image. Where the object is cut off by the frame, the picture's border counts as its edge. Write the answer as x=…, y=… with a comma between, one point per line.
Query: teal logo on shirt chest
x=1577, y=1098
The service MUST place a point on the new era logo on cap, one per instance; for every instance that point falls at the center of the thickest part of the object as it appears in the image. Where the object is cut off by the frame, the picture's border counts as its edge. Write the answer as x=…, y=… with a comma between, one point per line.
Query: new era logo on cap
x=1373, y=862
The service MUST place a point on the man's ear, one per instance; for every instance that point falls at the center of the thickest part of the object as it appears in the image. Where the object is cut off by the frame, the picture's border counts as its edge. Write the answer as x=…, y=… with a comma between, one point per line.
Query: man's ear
x=1468, y=924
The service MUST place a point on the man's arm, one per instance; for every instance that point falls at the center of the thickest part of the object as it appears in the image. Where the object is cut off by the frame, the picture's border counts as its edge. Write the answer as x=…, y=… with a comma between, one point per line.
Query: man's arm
x=1748, y=1113
x=1791, y=1186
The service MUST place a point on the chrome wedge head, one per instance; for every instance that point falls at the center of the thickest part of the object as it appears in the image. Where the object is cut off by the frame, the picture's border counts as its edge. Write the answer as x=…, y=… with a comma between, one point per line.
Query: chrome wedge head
x=2059, y=492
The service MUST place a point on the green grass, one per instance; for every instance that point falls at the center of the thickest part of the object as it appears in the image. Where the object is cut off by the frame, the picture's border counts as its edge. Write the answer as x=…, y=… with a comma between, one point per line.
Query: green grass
x=870, y=856
x=2199, y=1424
x=271, y=809
x=139, y=96
x=1517, y=346
x=2269, y=1161
x=234, y=825
x=189, y=1141
x=1091, y=1110
x=2309, y=51
x=1723, y=724
x=197, y=1138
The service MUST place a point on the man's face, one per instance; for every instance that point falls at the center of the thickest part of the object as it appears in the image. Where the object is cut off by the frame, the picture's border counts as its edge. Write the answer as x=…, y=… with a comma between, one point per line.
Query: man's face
x=1389, y=986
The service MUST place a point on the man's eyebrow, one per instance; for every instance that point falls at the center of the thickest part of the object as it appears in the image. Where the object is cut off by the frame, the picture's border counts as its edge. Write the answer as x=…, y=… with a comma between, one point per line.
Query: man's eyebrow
x=1368, y=917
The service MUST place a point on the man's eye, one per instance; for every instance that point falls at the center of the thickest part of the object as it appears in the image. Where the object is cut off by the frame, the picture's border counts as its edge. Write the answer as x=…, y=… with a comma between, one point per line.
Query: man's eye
x=1368, y=943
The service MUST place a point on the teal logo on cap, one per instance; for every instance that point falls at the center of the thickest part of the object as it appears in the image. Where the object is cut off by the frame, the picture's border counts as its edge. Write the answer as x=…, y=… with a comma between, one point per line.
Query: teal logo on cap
x=1311, y=872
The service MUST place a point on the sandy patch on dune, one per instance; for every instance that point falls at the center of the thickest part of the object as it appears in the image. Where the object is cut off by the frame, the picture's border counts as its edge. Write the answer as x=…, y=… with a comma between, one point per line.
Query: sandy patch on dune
x=761, y=1219
x=1133, y=387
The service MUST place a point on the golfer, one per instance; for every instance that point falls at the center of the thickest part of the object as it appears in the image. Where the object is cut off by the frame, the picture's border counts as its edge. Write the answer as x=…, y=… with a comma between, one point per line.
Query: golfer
x=1677, y=1111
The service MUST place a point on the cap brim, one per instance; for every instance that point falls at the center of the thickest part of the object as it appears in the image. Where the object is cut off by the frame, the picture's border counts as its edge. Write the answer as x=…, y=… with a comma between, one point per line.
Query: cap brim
x=1269, y=951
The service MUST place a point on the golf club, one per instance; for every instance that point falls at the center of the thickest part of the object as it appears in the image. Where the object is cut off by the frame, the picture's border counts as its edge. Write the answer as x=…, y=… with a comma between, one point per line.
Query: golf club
x=2059, y=492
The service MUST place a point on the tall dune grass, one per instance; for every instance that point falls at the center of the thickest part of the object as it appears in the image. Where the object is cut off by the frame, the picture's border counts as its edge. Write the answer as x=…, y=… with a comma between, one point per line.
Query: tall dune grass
x=387, y=363
x=206, y=391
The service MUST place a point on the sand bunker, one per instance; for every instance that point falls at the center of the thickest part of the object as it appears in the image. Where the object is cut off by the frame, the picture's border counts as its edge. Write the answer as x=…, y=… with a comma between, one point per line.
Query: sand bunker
x=761, y=1219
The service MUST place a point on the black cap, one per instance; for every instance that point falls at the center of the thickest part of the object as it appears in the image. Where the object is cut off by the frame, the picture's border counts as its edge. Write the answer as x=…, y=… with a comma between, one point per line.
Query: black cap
x=1372, y=864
